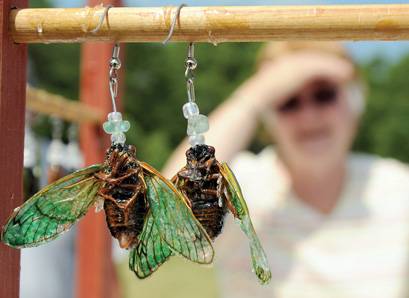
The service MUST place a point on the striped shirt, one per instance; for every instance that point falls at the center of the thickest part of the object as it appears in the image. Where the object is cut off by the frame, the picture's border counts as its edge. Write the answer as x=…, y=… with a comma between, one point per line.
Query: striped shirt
x=360, y=249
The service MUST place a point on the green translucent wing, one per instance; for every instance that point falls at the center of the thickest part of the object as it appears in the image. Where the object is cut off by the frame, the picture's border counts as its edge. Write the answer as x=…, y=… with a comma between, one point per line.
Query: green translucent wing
x=53, y=210
x=240, y=211
x=175, y=221
x=151, y=251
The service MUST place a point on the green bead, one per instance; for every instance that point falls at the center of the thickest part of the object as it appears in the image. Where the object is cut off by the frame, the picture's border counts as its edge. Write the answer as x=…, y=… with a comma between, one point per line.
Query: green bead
x=197, y=124
x=116, y=127
x=124, y=126
x=109, y=127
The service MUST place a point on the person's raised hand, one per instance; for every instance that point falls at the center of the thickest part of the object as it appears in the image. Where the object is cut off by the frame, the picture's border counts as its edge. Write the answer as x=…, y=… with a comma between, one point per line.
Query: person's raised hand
x=279, y=79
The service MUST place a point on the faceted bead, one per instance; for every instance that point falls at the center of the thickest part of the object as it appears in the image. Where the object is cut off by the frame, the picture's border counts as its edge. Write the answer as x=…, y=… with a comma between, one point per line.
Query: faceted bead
x=124, y=126
x=118, y=138
x=115, y=116
x=196, y=140
x=197, y=124
x=116, y=126
x=190, y=109
x=109, y=127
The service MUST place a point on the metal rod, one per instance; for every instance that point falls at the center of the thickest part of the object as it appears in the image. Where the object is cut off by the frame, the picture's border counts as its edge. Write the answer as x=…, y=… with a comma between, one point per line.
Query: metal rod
x=212, y=24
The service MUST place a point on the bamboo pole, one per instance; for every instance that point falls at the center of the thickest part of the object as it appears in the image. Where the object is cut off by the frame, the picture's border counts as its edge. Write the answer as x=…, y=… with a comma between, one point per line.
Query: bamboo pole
x=213, y=24
x=43, y=102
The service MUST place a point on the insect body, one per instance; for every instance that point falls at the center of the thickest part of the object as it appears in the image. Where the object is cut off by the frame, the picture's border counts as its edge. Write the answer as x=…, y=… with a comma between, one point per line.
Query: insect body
x=212, y=189
x=203, y=185
x=143, y=210
x=124, y=195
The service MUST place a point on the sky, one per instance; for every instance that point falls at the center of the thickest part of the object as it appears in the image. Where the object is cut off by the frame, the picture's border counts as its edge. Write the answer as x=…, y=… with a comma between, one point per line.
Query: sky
x=362, y=51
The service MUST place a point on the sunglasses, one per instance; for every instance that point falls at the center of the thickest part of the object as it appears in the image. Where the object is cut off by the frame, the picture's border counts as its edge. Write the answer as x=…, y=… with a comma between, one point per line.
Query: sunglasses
x=320, y=97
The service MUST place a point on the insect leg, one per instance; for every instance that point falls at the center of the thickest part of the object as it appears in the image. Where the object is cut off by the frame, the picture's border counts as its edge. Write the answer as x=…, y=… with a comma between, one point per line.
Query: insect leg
x=77, y=183
x=213, y=176
x=175, y=179
x=211, y=162
x=142, y=178
x=118, y=180
x=220, y=185
x=179, y=182
x=210, y=192
x=229, y=203
x=107, y=197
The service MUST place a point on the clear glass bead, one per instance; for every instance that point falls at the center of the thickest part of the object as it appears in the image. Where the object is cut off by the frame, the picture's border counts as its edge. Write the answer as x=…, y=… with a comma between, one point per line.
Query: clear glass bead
x=115, y=116
x=197, y=124
x=118, y=138
x=196, y=140
x=190, y=109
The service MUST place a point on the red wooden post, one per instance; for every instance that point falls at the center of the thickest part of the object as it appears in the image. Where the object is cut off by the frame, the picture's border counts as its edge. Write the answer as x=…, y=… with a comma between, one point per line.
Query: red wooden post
x=95, y=274
x=13, y=59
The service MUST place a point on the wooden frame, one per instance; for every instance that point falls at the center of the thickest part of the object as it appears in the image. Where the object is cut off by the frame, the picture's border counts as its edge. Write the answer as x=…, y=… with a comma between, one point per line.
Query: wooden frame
x=13, y=59
x=195, y=24
x=213, y=24
x=43, y=102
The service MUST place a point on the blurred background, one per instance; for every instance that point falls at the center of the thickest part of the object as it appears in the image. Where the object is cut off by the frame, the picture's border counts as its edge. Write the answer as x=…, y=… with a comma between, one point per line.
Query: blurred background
x=154, y=93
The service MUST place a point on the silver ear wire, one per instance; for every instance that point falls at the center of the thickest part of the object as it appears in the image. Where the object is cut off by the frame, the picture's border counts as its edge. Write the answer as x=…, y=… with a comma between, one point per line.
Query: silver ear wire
x=115, y=126
x=114, y=66
x=102, y=18
x=191, y=64
x=173, y=24
x=197, y=124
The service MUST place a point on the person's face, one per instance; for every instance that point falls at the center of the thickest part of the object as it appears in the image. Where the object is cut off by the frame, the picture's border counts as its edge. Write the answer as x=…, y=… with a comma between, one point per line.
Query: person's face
x=314, y=127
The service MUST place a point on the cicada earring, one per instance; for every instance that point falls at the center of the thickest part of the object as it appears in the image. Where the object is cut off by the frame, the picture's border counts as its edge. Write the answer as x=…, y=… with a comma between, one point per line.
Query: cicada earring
x=144, y=211
x=210, y=186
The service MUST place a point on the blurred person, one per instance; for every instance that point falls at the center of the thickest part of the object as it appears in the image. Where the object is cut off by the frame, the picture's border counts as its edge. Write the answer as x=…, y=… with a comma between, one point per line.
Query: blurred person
x=333, y=223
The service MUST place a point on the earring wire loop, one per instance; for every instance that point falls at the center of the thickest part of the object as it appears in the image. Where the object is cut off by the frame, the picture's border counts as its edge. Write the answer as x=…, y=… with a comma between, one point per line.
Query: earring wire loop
x=114, y=66
x=102, y=18
x=173, y=24
x=190, y=62
x=191, y=65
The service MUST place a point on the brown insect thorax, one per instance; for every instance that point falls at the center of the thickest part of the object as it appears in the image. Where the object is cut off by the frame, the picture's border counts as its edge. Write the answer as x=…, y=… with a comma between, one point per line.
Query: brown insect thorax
x=200, y=180
x=124, y=194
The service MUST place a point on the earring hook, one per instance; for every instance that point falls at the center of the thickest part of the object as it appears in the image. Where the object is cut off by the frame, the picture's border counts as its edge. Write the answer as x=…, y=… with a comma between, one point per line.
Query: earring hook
x=173, y=24
x=114, y=66
x=191, y=65
x=102, y=18
x=115, y=126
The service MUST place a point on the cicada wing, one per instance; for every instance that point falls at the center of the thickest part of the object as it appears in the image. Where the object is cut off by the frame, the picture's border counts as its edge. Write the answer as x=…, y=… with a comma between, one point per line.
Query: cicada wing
x=175, y=221
x=151, y=251
x=53, y=210
x=238, y=207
